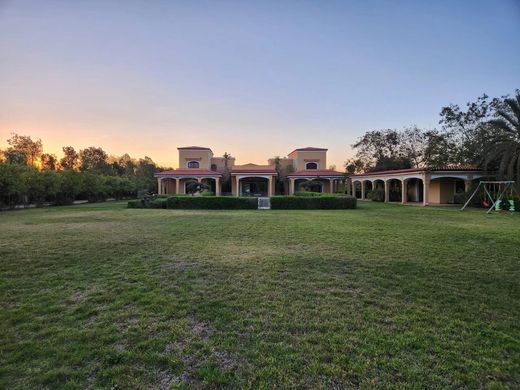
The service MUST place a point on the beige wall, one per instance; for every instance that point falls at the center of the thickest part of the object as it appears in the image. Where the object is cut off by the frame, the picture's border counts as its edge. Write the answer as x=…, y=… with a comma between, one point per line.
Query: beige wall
x=221, y=164
x=168, y=186
x=442, y=191
x=202, y=156
x=284, y=162
x=299, y=158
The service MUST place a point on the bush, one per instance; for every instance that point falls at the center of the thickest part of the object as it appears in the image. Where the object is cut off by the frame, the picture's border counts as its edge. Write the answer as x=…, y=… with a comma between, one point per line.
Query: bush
x=213, y=202
x=207, y=193
x=158, y=204
x=136, y=204
x=317, y=202
x=308, y=193
x=376, y=195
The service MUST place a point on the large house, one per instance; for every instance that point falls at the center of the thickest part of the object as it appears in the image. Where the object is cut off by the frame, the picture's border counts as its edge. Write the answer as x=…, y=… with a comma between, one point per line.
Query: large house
x=198, y=163
x=309, y=165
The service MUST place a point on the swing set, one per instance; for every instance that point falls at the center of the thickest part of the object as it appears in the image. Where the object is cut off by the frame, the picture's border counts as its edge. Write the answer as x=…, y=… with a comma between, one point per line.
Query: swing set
x=497, y=195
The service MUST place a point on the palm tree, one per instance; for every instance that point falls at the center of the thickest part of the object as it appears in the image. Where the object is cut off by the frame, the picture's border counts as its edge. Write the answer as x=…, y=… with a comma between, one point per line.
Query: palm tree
x=504, y=146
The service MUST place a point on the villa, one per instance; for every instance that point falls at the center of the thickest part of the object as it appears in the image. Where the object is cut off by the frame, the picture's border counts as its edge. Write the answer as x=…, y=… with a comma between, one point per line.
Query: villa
x=308, y=165
x=300, y=166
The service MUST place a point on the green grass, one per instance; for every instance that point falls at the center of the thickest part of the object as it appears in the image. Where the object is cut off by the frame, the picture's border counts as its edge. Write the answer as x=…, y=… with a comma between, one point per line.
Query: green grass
x=382, y=296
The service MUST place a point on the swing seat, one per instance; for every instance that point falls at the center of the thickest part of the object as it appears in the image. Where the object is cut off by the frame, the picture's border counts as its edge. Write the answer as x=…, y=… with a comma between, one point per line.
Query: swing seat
x=498, y=205
x=511, y=205
x=485, y=204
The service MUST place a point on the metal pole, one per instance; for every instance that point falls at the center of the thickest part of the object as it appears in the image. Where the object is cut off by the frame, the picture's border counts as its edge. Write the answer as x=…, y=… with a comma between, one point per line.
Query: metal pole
x=471, y=197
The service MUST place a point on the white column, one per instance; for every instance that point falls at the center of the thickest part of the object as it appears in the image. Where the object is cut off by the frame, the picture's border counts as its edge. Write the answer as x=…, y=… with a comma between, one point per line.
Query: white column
x=362, y=189
x=177, y=186
x=237, y=186
x=387, y=191
x=217, y=186
x=404, y=192
x=467, y=185
x=291, y=186
x=426, y=190
x=270, y=187
x=331, y=181
x=159, y=186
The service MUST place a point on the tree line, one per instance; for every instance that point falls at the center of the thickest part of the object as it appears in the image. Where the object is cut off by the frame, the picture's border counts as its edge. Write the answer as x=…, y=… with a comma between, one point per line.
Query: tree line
x=30, y=176
x=485, y=133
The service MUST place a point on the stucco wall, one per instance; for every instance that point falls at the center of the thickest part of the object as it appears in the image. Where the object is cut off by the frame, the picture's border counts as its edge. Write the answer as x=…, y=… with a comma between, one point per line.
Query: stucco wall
x=299, y=158
x=202, y=156
x=442, y=191
x=221, y=163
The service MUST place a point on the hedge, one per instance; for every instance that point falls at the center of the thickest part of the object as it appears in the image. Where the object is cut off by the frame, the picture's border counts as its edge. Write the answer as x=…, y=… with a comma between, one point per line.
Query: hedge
x=317, y=202
x=308, y=194
x=211, y=202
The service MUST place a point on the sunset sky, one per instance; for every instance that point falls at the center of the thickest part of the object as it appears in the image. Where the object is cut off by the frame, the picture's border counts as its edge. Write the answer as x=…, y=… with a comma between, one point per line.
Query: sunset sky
x=252, y=78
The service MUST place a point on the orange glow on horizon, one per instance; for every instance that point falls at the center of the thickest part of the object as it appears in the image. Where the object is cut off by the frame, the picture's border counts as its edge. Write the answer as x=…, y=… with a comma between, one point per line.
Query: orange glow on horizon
x=164, y=154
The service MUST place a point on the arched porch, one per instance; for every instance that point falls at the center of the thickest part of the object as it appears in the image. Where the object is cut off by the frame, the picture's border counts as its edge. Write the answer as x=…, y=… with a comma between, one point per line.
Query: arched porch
x=366, y=187
x=394, y=190
x=253, y=186
x=356, y=189
x=413, y=190
x=175, y=184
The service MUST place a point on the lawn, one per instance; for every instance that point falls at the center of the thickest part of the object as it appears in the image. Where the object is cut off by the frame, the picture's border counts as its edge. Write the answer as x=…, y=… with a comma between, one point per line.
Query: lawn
x=379, y=297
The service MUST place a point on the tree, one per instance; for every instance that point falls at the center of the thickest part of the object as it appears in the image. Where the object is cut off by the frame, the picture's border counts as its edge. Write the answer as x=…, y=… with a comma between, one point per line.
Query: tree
x=388, y=149
x=94, y=159
x=70, y=158
x=503, y=147
x=440, y=150
x=16, y=157
x=21, y=145
x=193, y=187
x=226, y=175
x=49, y=162
x=468, y=130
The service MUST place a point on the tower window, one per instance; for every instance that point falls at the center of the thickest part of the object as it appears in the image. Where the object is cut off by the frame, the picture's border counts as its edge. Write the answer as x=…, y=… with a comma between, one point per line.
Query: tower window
x=311, y=165
x=193, y=164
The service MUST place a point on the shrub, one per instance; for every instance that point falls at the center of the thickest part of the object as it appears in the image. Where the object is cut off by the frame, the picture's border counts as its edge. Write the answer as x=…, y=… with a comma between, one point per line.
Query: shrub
x=317, y=202
x=207, y=193
x=376, y=195
x=211, y=202
x=308, y=193
x=158, y=204
x=136, y=204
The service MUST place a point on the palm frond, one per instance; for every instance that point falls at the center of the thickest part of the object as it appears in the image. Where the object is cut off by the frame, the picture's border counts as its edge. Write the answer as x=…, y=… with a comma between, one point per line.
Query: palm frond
x=501, y=125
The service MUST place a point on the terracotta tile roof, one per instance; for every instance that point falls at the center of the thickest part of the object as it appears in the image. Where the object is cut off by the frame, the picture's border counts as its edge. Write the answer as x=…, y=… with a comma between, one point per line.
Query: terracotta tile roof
x=193, y=148
x=316, y=173
x=462, y=167
x=309, y=149
x=188, y=172
x=253, y=168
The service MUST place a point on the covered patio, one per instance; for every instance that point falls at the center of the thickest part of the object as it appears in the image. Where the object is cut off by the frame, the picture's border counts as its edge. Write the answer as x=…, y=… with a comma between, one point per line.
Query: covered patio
x=174, y=182
x=417, y=185
x=318, y=180
x=253, y=180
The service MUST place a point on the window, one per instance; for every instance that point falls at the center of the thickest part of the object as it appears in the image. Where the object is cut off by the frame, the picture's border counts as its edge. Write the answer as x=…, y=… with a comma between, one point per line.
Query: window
x=214, y=167
x=311, y=165
x=193, y=164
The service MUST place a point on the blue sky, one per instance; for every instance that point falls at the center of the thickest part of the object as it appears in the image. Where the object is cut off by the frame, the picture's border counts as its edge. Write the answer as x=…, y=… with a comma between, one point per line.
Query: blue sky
x=254, y=79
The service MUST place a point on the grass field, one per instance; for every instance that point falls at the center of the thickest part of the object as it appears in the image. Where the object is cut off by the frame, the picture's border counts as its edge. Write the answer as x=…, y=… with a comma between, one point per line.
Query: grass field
x=382, y=296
